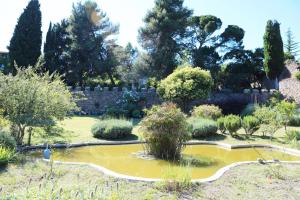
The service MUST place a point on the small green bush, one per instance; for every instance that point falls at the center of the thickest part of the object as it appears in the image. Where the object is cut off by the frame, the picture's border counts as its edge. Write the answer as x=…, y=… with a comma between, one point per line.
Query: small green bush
x=250, y=124
x=207, y=111
x=221, y=124
x=297, y=75
x=165, y=130
x=203, y=127
x=112, y=129
x=295, y=120
x=249, y=110
x=6, y=140
x=232, y=123
x=6, y=155
x=292, y=135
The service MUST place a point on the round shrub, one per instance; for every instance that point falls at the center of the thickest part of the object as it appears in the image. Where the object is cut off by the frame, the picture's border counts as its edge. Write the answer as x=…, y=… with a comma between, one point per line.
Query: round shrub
x=221, y=124
x=250, y=124
x=165, y=130
x=232, y=123
x=203, y=127
x=6, y=140
x=297, y=75
x=186, y=84
x=112, y=129
x=207, y=111
x=6, y=155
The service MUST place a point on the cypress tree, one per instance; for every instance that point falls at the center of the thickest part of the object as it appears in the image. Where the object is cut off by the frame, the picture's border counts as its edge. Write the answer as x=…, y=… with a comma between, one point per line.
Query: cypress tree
x=25, y=44
x=49, y=50
x=273, y=50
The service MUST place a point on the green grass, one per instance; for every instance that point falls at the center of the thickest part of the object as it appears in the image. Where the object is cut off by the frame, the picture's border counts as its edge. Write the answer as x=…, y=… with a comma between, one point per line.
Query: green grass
x=74, y=130
x=78, y=129
x=35, y=180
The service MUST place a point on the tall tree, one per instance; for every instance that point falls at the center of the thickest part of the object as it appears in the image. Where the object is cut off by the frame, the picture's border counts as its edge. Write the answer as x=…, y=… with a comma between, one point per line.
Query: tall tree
x=273, y=50
x=91, y=34
x=205, y=44
x=25, y=44
x=165, y=27
x=291, y=46
x=56, y=49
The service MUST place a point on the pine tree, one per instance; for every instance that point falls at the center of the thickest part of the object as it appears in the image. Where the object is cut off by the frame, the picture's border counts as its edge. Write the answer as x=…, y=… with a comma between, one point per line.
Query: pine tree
x=273, y=50
x=90, y=52
x=165, y=26
x=25, y=44
x=291, y=46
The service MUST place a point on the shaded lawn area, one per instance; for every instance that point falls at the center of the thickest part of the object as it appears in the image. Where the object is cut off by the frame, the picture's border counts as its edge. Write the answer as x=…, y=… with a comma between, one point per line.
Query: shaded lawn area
x=73, y=130
x=78, y=129
x=36, y=180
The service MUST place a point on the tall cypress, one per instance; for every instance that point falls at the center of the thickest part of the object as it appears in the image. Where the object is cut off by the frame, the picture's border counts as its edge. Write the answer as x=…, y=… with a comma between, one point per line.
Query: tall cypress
x=273, y=50
x=25, y=44
x=49, y=50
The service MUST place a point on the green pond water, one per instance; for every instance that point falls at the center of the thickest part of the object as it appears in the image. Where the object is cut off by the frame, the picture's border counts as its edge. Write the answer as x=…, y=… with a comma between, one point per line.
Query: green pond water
x=123, y=159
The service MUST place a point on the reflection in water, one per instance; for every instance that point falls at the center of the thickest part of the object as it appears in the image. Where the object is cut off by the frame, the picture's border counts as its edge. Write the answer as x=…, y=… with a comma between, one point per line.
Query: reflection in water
x=123, y=159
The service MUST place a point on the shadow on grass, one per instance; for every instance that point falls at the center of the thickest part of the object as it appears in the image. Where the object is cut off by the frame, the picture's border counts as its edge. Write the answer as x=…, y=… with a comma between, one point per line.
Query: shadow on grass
x=216, y=137
x=130, y=137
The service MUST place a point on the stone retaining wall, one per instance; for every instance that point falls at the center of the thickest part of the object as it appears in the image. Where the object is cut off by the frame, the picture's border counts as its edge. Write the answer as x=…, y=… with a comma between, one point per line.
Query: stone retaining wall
x=94, y=102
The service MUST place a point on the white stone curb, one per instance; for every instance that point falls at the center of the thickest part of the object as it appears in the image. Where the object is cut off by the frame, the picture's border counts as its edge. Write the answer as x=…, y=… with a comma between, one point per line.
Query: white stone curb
x=212, y=178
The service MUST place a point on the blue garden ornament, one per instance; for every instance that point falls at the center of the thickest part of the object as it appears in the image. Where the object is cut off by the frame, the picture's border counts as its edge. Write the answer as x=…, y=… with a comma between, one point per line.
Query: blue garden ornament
x=47, y=153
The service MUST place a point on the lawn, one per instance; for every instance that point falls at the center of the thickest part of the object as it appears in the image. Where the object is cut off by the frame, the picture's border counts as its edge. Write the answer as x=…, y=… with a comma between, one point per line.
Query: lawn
x=36, y=180
x=74, y=130
x=78, y=129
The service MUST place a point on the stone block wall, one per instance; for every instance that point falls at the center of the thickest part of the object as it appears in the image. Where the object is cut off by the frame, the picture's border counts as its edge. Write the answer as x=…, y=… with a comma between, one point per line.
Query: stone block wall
x=95, y=102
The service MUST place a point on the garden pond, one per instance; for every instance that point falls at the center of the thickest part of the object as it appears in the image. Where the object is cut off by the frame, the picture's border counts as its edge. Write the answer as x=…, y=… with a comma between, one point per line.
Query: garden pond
x=128, y=159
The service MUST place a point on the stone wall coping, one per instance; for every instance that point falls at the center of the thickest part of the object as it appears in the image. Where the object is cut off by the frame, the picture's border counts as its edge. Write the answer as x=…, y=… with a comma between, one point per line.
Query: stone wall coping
x=212, y=178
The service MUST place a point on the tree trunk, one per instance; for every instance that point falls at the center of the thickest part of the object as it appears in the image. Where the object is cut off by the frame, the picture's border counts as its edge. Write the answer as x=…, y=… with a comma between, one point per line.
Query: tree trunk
x=111, y=79
x=29, y=136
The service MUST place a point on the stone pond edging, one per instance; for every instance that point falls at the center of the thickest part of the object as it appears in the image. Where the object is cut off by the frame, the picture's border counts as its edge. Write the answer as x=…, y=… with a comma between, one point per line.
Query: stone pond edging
x=212, y=178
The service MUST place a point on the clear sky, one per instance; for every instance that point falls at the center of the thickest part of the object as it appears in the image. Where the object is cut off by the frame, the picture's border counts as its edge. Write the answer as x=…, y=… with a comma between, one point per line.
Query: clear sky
x=251, y=15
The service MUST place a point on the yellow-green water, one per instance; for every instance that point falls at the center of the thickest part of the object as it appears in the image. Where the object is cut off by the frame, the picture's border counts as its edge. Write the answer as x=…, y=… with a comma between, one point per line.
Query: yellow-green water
x=122, y=159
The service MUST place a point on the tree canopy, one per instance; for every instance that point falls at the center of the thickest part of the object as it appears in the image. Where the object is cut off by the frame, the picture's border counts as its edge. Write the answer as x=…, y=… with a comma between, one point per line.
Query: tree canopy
x=186, y=84
x=25, y=44
x=91, y=34
x=273, y=50
x=30, y=99
x=162, y=34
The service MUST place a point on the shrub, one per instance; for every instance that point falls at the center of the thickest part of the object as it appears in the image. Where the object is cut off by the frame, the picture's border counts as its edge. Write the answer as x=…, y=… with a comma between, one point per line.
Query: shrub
x=232, y=123
x=7, y=140
x=185, y=84
x=297, y=75
x=249, y=110
x=221, y=124
x=112, y=129
x=295, y=120
x=250, y=124
x=207, y=111
x=6, y=155
x=176, y=180
x=165, y=130
x=128, y=106
x=287, y=110
x=292, y=135
x=203, y=127
x=268, y=119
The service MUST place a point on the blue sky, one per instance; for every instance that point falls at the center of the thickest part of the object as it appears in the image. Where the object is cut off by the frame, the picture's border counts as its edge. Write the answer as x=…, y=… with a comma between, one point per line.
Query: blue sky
x=251, y=15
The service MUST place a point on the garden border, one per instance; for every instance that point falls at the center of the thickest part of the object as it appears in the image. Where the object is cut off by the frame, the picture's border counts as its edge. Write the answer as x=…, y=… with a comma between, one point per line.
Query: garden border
x=212, y=178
